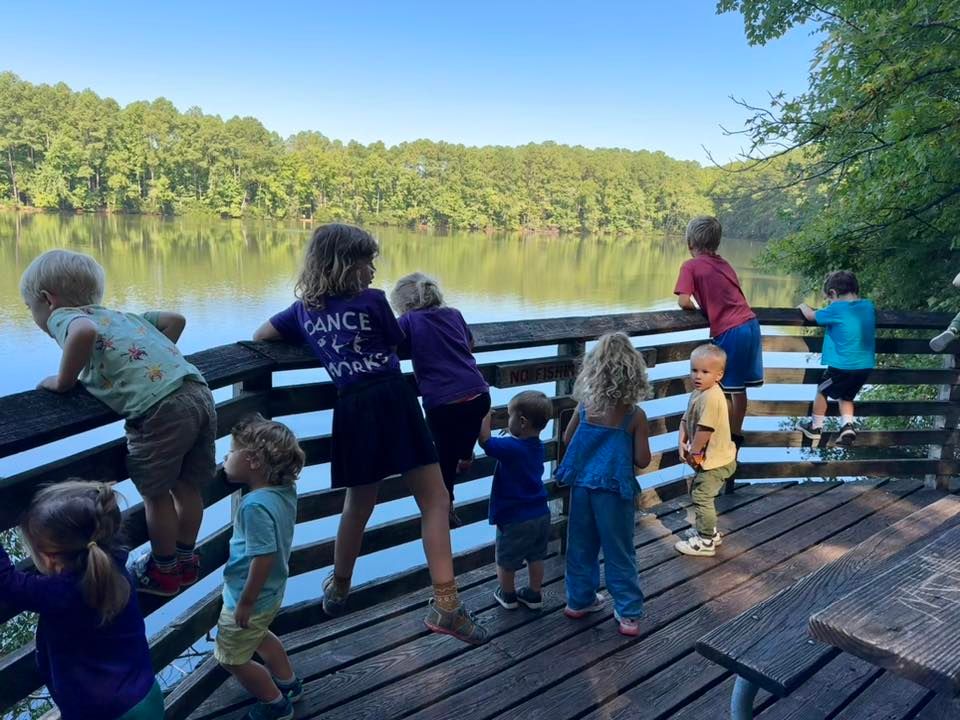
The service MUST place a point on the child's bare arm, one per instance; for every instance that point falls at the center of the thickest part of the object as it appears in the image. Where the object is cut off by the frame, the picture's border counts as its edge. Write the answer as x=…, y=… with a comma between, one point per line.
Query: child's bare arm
x=485, y=430
x=170, y=324
x=682, y=439
x=685, y=301
x=81, y=337
x=260, y=568
x=641, y=440
x=267, y=332
x=572, y=426
x=698, y=445
x=808, y=312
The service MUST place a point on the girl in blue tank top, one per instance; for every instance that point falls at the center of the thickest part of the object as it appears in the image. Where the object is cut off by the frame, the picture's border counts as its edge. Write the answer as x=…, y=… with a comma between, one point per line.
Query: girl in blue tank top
x=606, y=438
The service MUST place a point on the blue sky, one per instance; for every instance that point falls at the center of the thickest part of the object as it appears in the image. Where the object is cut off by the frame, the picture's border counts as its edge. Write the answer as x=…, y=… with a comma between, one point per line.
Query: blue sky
x=647, y=74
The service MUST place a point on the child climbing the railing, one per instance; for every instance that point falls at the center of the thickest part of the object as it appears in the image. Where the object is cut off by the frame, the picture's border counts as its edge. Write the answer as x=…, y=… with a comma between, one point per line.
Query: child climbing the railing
x=849, y=342
x=606, y=438
x=378, y=427
x=713, y=283
x=942, y=341
x=131, y=364
x=705, y=444
x=91, y=642
x=265, y=457
x=456, y=398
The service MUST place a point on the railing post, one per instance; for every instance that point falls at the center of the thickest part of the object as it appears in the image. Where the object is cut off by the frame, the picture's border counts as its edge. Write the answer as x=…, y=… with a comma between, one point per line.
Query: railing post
x=575, y=349
x=946, y=452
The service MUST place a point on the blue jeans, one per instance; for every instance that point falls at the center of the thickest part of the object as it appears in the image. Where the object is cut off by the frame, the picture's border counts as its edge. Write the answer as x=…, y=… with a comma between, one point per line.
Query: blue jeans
x=602, y=519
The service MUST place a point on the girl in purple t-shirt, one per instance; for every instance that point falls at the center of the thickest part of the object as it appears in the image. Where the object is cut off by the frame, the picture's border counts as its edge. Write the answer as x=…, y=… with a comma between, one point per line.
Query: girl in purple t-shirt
x=378, y=427
x=455, y=395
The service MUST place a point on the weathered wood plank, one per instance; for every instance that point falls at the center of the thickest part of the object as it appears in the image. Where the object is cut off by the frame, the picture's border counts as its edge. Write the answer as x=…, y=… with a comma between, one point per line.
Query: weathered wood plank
x=768, y=644
x=940, y=707
x=824, y=694
x=866, y=438
x=907, y=620
x=480, y=676
x=359, y=646
x=868, y=408
x=887, y=698
x=836, y=468
x=543, y=370
x=668, y=628
x=382, y=599
x=36, y=417
x=650, y=660
x=107, y=462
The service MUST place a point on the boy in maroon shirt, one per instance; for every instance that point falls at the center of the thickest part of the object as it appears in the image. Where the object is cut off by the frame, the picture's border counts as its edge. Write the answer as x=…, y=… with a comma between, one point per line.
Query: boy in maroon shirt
x=710, y=280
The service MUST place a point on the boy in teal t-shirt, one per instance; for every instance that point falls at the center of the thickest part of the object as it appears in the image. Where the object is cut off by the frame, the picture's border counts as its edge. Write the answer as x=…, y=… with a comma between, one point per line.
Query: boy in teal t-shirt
x=849, y=351
x=264, y=456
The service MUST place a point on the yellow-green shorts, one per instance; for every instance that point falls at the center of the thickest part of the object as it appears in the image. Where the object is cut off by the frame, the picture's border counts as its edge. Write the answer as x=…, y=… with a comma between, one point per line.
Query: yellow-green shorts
x=236, y=645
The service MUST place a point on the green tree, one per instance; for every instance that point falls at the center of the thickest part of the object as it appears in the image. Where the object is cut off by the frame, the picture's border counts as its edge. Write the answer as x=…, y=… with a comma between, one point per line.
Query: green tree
x=879, y=127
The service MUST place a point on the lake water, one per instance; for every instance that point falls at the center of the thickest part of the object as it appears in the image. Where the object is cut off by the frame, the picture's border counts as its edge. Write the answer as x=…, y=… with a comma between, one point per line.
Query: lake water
x=227, y=277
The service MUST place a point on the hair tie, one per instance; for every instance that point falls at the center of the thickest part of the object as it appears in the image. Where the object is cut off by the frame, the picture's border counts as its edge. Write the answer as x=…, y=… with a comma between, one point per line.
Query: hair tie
x=91, y=545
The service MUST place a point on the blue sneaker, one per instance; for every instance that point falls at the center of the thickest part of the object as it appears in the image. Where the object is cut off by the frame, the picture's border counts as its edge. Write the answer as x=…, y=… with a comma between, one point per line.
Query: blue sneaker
x=271, y=711
x=293, y=690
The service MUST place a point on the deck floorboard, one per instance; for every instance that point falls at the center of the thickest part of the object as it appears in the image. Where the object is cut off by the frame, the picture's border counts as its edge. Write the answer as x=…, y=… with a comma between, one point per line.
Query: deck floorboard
x=381, y=663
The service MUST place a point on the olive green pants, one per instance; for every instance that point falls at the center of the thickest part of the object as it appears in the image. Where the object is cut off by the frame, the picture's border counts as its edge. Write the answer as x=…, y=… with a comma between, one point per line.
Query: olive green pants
x=707, y=484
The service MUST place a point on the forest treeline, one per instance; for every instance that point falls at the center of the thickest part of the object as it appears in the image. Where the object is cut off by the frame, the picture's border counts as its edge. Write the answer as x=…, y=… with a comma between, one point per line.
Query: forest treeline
x=67, y=150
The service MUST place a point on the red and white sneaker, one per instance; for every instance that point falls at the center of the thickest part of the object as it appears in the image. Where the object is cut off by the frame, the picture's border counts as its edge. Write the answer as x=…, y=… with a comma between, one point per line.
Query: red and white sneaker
x=628, y=626
x=150, y=581
x=189, y=571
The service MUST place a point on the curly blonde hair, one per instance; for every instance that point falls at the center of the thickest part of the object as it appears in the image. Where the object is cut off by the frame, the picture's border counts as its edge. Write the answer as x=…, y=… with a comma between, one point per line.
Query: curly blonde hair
x=415, y=291
x=330, y=264
x=613, y=373
x=274, y=444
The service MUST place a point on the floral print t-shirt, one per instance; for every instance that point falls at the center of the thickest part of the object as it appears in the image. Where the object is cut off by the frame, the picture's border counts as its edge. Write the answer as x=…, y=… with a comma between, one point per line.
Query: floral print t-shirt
x=133, y=365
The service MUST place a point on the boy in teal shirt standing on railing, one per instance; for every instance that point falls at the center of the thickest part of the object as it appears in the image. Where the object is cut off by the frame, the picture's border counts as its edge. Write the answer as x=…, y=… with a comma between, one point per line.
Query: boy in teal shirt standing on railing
x=849, y=351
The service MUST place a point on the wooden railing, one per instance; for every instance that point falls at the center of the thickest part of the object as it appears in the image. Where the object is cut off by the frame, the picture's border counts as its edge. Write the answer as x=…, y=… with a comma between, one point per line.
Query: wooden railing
x=31, y=419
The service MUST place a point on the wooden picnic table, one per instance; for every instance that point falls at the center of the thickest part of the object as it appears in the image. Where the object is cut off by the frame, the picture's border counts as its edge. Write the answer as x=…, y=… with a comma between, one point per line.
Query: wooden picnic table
x=906, y=620
x=769, y=646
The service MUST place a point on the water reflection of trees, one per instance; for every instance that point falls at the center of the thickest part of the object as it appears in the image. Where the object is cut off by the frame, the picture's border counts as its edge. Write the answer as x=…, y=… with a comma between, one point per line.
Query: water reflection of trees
x=151, y=258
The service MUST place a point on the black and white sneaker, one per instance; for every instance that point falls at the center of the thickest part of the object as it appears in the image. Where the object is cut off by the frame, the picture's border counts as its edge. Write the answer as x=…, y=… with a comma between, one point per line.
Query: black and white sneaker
x=697, y=545
x=807, y=428
x=847, y=435
x=507, y=600
x=530, y=599
x=717, y=537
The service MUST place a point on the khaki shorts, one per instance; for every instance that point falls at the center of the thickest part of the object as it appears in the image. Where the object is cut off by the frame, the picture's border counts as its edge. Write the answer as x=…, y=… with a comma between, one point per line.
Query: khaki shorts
x=236, y=645
x=173, y=441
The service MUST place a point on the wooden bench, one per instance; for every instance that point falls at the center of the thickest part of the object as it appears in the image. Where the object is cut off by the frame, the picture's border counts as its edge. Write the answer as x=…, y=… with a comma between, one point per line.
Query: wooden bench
x=906, y=620
x=769, y=646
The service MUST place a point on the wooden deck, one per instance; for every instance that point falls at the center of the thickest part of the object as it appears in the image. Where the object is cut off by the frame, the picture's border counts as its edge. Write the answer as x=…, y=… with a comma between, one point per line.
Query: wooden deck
x=381, y=663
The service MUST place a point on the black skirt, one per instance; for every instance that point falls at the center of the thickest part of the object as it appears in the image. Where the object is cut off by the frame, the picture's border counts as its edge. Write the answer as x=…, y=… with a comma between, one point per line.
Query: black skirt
x=378, y=431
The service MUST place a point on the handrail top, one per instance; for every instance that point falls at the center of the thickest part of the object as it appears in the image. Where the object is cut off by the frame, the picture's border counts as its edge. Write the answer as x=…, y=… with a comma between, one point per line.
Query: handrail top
x=35, y=417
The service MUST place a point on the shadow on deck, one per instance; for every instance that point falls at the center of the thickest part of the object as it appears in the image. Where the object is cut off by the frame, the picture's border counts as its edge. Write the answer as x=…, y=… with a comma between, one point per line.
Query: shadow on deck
x=381, y=662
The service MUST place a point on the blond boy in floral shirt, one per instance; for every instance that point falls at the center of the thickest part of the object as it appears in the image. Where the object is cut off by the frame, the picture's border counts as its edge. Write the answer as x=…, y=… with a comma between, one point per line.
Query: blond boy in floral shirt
x=131, y=363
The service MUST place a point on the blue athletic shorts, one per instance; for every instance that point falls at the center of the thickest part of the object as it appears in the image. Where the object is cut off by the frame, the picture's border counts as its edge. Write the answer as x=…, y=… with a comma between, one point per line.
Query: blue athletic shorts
x=744, y=349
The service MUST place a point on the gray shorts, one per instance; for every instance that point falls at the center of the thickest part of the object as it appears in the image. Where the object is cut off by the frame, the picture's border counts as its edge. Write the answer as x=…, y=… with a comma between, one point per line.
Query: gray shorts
x=526, y=540
x=173, y=441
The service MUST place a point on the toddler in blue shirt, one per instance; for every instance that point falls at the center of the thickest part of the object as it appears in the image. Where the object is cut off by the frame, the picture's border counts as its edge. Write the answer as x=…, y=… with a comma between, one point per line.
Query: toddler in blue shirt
x=518, y=500
x=849, y=344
